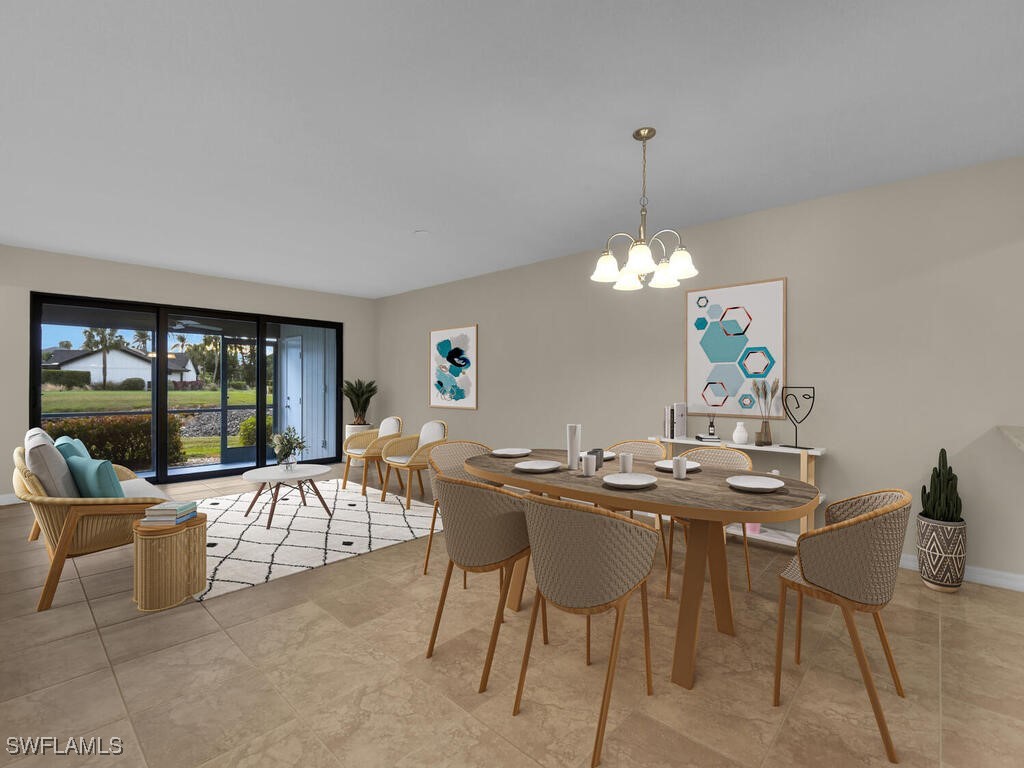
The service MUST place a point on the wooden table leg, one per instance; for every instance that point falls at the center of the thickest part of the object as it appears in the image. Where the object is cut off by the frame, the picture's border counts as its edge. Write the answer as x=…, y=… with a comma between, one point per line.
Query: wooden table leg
x=807, y=476
x=684, y=657
x=253, y=502
x=719, y=568
x=317, y=492
x=273, y=504
x=515, y=592
x=302, y=493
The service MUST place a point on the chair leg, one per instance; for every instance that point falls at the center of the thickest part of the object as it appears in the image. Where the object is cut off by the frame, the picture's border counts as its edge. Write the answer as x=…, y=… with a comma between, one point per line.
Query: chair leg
x=664, y=541
x=888, y=654
x=538, y=601
x=780, y=636
x=869, y=683
x=366, y=466
x=647, y=639
x=408, y=492
x=588, y=639
x=384, y=485
x=380, y=475
x=464, y=579
x=430, y=539
x=746, y=556
x=60, y=554
x=668, y=560
x=609, y=681
x=344, y=477
x=34, y=533
x=499, y=619
x=544, y=620
x=419, y=480
x=799, y=625
x=440, y=608
x=401, y=485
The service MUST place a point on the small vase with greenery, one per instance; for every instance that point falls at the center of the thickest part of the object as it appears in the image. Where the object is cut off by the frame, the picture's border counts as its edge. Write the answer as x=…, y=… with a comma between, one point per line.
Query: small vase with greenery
x=941, y=530
x=765, y=400
x=359, y=394
x=286, y=445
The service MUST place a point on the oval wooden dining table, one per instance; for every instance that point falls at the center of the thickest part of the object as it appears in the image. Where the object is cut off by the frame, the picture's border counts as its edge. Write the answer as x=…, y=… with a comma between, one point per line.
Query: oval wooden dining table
x=703, y=498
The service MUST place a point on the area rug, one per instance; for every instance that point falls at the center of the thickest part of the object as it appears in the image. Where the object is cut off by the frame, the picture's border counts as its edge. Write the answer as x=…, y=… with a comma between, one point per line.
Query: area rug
x=242, y=552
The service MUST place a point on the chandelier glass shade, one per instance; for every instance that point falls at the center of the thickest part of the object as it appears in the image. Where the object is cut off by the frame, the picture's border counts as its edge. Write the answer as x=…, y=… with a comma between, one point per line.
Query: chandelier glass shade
x=640, y=263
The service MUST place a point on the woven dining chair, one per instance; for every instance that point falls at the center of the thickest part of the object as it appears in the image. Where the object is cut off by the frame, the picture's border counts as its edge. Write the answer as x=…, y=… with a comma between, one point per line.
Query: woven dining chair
x=484, y=530
x=367, y=446
x=853, y=563
x=410, y=453
x=448, y=459
x=588, y=560
x=727, y=458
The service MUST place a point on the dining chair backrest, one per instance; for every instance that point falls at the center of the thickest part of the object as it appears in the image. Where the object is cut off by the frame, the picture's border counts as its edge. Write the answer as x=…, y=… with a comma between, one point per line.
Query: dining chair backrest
x=645, y=450
x=433, y=431
x=392, y=425
x=448, y=458
x=857, y=554
x=727, y=458
x=483, y=525
x=584, y=556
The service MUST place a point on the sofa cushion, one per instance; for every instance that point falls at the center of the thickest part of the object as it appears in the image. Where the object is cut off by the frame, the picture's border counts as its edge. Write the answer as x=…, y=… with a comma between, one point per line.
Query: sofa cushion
x=95, y=478
x=71, y=446
x=137, y=488
x=45, y=462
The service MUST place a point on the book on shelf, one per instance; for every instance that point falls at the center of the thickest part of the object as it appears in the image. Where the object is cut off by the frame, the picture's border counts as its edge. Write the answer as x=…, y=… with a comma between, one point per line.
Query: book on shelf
x=709, y=438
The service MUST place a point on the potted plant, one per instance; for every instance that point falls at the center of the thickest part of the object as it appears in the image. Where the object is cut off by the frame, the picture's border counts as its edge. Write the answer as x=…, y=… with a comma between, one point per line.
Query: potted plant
x=359, y=393
x=941, y=531
x=286, y=445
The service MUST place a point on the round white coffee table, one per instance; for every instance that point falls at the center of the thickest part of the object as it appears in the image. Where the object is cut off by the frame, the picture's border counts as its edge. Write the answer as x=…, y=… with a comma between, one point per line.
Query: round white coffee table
x=272, y=478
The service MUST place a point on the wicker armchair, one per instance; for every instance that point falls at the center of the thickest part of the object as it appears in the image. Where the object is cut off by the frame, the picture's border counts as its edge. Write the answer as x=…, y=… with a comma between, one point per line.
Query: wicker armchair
x=410, y=453
x=484, y=530
x=76, y=526
x=727, y=458
x=588, y=560
x=448, y=459
x=852, y=562
x=646, y=450
x=368, y=446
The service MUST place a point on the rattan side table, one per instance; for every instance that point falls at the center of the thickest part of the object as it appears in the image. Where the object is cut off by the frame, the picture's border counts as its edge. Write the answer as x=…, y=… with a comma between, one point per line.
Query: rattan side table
x=170, y=563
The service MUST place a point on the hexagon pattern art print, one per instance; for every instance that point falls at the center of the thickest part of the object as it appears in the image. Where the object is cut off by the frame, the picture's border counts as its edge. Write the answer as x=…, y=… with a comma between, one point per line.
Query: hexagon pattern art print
x=453, y=368
x=735, y=335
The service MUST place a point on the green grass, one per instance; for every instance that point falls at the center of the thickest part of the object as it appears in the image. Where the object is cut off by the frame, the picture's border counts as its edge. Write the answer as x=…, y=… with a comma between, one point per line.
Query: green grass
x=85, y=400
x=207, y=447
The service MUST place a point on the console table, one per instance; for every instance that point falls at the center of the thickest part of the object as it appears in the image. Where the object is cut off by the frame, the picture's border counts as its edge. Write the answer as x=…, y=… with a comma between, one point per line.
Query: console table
x=806, y=456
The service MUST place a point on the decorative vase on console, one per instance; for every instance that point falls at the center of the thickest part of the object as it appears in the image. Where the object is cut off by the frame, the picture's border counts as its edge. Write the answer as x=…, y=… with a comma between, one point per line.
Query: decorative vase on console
x=740, y=436
x=765, y=399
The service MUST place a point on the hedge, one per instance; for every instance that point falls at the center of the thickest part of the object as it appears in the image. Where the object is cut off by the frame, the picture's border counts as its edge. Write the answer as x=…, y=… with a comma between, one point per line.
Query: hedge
x=125, y=440
x=67, y=379
x=133, y=384
x=247, y=430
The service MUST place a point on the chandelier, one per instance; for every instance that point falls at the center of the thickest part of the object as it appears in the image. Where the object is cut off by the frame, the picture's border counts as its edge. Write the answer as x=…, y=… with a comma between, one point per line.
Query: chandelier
x=667, y=272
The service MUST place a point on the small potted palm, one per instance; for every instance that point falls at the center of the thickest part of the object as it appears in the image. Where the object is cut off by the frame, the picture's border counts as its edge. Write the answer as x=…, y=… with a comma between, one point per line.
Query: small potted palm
x=359, y=393
x=941, y=531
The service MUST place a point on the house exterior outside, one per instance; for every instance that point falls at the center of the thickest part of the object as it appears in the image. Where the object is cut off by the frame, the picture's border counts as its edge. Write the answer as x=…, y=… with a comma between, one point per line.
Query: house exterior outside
x=121, y=364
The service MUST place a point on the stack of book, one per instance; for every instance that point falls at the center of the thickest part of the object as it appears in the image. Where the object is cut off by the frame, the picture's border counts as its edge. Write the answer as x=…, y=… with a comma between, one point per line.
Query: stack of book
x=169, y=513
x=709, y=438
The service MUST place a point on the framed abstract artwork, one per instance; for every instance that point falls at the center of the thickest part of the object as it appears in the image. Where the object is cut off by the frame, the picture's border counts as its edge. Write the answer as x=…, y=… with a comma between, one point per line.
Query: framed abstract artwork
x=735, y=336
x=453, y=368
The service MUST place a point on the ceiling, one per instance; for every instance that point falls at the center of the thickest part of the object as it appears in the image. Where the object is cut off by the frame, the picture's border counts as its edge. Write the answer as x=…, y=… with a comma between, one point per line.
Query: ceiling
x=304, y=143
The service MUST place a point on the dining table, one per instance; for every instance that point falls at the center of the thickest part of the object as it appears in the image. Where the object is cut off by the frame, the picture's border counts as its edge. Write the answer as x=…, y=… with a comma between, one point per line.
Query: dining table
x=703, y=498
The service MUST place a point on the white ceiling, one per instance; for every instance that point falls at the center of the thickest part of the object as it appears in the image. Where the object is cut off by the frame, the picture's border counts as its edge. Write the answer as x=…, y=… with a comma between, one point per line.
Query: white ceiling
x=302, y=143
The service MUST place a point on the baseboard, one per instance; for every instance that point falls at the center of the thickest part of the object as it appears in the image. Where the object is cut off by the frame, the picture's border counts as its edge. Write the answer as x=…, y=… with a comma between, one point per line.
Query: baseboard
x=976, y=575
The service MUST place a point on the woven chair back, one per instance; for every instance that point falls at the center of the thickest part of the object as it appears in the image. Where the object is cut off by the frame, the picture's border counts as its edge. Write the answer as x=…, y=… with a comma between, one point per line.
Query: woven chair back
x=645, y=450
x=482, y=525
x=392, y=425
x=447, y=459
x=727, y=458
x=586, y=557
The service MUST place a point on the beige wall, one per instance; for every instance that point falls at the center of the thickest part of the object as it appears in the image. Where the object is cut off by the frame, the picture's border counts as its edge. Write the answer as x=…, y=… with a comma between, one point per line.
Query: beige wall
x=23, y=270
x=904, y=312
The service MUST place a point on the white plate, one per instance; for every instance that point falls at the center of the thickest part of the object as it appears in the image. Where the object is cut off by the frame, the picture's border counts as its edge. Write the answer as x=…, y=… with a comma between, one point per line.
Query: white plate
x=538, y=466
x=630, y=480
x=754, y=484
x=608, y=455
x=665, y=465
x=511, y=453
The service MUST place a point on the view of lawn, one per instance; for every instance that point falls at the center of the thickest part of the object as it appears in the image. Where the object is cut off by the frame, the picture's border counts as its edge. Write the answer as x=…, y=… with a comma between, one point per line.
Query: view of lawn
x=207, y=447
x=81, y=400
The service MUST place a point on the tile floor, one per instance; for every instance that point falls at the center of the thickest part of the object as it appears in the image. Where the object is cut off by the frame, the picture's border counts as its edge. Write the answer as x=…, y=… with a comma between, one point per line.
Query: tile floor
x=326, y=668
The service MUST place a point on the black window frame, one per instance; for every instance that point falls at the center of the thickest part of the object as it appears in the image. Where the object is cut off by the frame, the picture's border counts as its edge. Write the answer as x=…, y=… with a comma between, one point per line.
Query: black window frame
x=161, y=312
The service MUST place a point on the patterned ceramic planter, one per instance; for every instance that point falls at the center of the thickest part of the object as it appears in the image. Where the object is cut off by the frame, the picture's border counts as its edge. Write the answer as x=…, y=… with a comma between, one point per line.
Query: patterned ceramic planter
x=941, y=553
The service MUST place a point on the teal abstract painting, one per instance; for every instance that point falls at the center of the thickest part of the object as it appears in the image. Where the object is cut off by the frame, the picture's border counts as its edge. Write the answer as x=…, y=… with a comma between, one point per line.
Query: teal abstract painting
x=453, y=368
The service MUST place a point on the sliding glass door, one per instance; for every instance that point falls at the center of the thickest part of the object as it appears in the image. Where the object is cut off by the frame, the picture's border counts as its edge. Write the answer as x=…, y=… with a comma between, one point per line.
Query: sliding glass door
x=175, y=393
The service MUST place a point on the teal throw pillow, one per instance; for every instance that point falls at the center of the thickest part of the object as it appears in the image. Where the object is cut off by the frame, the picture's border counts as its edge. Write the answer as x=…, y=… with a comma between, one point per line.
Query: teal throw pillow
x=95, y=478
x=71, y=446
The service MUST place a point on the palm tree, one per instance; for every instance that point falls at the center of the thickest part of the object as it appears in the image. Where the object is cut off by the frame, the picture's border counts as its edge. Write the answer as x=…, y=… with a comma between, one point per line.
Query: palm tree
x=140, y=341
x=103, y=340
